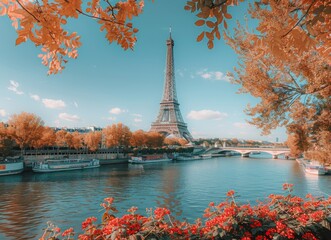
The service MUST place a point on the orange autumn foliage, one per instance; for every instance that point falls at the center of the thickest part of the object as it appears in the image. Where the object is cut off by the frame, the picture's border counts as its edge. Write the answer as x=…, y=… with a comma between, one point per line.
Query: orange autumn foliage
x=138, y=138
x=44, y=24
x=154, y=139
x=47, y=138
x=25, y=129
x=212, y=14
x=286, y=64
x=93, y=140
x=60, y=138
x=116, y=135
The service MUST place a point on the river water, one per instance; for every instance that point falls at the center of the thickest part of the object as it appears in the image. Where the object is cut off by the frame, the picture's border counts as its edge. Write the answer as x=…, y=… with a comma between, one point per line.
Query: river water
x=29, y=200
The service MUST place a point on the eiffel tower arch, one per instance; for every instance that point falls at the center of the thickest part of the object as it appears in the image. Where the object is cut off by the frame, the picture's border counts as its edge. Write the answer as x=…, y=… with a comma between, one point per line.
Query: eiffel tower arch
x=169, y=121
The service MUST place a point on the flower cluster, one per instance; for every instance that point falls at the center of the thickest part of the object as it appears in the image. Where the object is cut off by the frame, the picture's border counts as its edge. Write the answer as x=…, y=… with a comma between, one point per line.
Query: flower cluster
x=279, y=217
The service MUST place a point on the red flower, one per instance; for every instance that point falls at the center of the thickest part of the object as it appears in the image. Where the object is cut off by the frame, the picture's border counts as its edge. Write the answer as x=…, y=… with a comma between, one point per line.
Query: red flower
x=309, y=236
x=260, y=237
x=161, y=212
x=211, y=204
x=83, y=237
x=303, y=219
x=255, y=223
x=133, y=210
x=68, y=232
x=288, y=186
x=88, y=222
x=270, y=232
x=230, y=193
x=317, y=216
x=109, y=200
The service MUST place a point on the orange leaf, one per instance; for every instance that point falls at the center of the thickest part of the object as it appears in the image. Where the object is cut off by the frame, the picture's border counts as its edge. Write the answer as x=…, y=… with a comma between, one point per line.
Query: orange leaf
x=135, y=30
x=227, y=15
x=19, y=40
x=200, y=22
x=218, y=35
x=210, y=36
x=210, y=44
x=201, y=36
x=187, y=8
x=225, y=25
x=210, y=24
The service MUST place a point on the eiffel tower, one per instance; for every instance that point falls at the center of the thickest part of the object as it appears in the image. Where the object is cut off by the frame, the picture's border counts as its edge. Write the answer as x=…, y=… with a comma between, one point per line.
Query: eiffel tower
x=169, y=120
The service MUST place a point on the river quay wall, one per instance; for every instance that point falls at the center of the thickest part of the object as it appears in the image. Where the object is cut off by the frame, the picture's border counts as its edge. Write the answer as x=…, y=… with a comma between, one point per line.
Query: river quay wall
x=106, y=156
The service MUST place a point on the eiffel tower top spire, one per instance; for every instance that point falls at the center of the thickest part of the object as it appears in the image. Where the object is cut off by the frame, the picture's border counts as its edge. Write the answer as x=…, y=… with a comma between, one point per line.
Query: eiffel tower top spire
x=169, y=94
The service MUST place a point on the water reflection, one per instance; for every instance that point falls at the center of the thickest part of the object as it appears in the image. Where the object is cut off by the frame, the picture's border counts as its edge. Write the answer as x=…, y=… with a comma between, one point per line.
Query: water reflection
x=29, y=200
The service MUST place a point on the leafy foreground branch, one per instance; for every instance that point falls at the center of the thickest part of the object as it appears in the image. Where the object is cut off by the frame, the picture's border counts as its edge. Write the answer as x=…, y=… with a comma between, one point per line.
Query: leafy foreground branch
x=279, y=217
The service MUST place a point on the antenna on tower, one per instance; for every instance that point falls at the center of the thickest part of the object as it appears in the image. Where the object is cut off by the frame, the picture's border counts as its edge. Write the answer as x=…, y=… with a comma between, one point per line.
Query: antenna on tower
x=170, y=31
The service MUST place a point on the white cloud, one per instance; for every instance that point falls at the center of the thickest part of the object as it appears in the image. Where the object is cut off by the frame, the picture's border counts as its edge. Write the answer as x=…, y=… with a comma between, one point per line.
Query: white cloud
x=241, y=125
x=35, y=97
x=137, y=115
x=206, y=115
x=112, y=118
x=117, y=111
x=210, y=75
x=69, y=117
x=76, y=104
x=2, y=112
x=14, y=87
x=52, y=103
x=137, y=120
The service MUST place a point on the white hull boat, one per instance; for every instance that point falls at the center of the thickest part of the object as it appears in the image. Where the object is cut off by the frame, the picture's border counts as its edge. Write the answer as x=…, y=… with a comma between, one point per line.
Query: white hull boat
x=188, y=157
x=59, y=165
x=150, y=159
x=11, y=166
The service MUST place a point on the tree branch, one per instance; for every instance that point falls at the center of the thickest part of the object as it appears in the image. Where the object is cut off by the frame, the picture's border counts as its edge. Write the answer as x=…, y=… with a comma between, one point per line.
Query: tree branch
x=302, y=17
x=99, y=18
x=24, y=8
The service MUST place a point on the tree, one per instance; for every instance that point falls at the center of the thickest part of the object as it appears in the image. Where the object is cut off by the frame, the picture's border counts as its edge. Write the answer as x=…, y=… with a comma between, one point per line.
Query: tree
x=138, y=138
x=61, y=138
x=77, y=140
x=154, y=139
x=46, y=139
x=3, y=134
x=43, y=23
x=287, y=66
x=93, y=140
x=25, y=128
x=6, y=144
x=117, y=135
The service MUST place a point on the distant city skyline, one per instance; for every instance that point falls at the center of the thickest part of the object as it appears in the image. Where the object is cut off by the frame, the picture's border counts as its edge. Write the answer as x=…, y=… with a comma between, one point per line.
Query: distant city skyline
x=107, y=85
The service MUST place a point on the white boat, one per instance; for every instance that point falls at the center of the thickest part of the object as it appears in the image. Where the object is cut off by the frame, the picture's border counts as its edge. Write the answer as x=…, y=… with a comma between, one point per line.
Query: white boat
x=145, y=159
x=315, y=168
x=206, y=156
x=188, y=157
x=57, y=165
x=11, y=166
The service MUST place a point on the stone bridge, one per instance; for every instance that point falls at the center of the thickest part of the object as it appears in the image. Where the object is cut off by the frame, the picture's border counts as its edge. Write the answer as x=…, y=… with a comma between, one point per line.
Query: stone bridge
x=245, y=151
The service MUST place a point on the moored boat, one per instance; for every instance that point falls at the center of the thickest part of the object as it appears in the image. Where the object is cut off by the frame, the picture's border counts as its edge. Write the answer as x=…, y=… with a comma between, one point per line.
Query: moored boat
x=11, y=166
x=188, y=157
x=315, y=169
x=145, y=159
x=312, y=167
x=57, y=165
x=206, y=156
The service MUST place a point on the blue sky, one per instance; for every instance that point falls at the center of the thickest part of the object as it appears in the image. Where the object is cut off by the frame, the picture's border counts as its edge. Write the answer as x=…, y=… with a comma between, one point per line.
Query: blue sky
x=107, y=85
